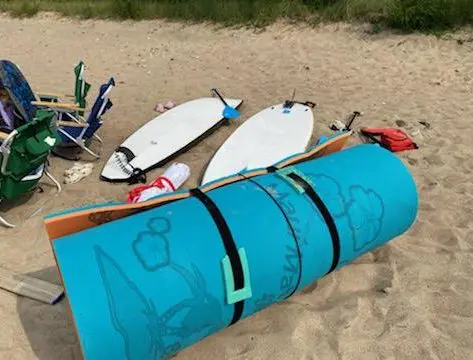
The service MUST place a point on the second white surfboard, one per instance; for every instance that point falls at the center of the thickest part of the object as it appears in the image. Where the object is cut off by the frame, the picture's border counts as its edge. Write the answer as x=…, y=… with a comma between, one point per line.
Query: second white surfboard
x=264, y=139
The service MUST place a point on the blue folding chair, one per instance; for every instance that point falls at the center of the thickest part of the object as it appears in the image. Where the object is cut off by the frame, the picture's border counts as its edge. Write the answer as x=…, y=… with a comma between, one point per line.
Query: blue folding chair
x=78, y=132
x=25, y=101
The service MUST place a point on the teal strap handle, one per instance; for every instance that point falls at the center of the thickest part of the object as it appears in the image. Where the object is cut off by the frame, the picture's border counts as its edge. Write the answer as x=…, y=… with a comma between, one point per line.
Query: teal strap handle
x=234, y=296
x=284, y=174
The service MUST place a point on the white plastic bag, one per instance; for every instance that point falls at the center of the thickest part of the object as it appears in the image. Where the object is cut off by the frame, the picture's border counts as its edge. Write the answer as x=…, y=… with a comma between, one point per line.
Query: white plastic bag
x=170, y=181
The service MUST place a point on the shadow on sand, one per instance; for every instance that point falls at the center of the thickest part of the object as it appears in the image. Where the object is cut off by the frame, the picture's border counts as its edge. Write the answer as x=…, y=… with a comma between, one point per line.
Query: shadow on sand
x=49, y=328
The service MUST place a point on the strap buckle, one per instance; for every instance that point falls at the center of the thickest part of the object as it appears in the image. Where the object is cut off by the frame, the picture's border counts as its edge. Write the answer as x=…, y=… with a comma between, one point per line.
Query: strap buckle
x=234, y=296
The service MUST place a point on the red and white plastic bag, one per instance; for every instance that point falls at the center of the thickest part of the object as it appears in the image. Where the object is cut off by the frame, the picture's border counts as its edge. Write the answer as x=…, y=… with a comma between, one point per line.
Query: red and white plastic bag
x=173, y=178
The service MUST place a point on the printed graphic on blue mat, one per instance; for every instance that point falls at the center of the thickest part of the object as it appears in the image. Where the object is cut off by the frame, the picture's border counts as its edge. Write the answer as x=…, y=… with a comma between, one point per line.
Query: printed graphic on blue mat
x=151, y=247
x=101, y=217
x=162, y=333
x=365, y=214
x=330, y=190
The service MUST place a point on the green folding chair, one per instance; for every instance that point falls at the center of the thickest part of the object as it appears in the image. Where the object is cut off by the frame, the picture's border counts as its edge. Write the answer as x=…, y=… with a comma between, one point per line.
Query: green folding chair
x=23, y=157
x=81, y=88
x=27, y=101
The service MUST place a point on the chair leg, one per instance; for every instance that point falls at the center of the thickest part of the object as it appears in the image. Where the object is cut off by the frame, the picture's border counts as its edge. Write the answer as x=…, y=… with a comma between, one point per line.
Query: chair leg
x=79, y=143
x=63, y=156
x=90, y=152
x=6, y=223
x=48, y=174
x=73, y=118
x=98, y=138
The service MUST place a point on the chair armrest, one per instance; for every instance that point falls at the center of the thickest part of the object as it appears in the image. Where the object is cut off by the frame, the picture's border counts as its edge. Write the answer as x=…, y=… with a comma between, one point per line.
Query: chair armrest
x=53, y=95
x=59, y=106
x=71, y=124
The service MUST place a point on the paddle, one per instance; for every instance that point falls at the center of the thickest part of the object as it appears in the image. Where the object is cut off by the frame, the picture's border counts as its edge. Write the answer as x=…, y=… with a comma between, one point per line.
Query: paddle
x=339, y=126
x=228, y=111
x=350, y=122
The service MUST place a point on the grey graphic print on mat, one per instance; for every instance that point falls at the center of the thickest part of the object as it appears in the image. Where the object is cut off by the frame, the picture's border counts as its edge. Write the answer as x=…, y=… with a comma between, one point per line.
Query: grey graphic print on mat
x=301, y=230
x=156, y=336
x=264, y=301
x=151, y=247
x=364, y=209
x=205, y=312
x=292, y=263
x=101, y=217
x=365, y=216
x=330, y=191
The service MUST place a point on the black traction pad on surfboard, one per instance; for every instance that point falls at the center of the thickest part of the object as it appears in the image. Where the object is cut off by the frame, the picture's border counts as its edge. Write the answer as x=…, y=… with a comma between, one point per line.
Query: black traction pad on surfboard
x=288, y=104
x=140, y=174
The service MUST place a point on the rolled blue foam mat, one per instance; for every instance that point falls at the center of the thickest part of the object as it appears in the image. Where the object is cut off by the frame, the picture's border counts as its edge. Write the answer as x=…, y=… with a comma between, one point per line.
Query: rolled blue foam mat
x=146, y=286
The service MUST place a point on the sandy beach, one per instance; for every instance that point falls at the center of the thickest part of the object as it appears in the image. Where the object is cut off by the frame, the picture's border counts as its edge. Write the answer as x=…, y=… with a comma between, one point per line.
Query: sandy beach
x=411, y=299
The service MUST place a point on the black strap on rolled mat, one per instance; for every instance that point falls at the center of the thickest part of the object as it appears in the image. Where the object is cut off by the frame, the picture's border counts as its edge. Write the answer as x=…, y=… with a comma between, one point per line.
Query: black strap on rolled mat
x=230, y=247
x=325, y=214
x=298, y=249
x=323, y=210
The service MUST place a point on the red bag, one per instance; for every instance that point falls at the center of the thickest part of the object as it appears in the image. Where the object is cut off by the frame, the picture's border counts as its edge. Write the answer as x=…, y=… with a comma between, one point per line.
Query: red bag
x=392, y=139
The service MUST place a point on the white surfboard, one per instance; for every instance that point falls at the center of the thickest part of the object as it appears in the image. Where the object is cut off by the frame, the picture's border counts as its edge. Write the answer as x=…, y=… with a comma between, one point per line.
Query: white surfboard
x=164, y=136
x=263, y=140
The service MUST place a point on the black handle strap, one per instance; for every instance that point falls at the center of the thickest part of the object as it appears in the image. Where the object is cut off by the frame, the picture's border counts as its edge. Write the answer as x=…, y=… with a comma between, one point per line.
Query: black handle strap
x=309, y=104
x=332, y=227
x=229, y=245
x=291, y=228
x=325, y=214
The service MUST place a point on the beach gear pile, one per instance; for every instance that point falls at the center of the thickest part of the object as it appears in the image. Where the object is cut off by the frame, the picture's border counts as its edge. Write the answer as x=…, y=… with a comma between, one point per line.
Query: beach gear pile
x=33, y=126
x=192, y=263
x=169, y=267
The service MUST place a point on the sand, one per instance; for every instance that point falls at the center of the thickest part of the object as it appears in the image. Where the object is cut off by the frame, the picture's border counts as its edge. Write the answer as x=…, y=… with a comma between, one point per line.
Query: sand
x=411, y=299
